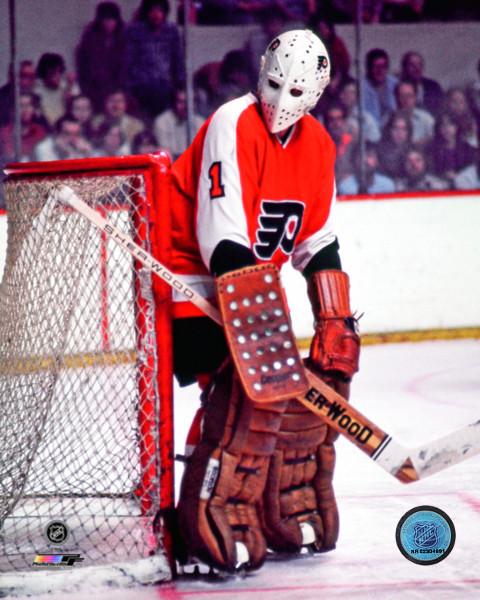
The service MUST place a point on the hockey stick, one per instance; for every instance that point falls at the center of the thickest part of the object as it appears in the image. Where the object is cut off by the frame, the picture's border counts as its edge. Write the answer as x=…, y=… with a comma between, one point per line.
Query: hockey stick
x=405, y=464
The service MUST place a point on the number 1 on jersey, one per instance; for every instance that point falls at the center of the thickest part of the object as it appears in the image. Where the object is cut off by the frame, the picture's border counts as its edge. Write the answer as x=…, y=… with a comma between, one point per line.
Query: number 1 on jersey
x=217, y=189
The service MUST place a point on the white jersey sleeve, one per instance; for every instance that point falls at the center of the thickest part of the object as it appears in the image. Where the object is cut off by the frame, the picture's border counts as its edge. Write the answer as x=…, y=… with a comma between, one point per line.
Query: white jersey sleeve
x=220, y=211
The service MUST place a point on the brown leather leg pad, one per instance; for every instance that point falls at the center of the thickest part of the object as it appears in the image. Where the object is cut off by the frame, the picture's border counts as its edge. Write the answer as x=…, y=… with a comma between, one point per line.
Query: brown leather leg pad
x=299, y=484
x=225, y=476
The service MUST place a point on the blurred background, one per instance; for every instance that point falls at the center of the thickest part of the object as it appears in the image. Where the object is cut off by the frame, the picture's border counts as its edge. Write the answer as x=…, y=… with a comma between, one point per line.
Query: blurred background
x=113, y=78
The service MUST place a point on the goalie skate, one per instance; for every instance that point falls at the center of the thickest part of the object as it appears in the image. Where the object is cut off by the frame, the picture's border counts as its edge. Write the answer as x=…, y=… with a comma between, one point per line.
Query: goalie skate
x=194, y=568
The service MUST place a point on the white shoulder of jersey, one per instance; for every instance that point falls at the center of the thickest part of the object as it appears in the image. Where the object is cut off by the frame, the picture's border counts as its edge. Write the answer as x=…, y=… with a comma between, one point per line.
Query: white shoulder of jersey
x=220, y=213
x=223, y=124
x=236, y=106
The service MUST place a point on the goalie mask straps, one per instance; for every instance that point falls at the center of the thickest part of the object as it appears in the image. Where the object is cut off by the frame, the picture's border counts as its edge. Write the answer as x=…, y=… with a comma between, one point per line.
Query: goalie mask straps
x=259, y=334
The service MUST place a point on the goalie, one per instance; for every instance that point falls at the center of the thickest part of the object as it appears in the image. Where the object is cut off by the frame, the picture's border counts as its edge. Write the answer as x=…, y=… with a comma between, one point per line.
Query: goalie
x=255, y=188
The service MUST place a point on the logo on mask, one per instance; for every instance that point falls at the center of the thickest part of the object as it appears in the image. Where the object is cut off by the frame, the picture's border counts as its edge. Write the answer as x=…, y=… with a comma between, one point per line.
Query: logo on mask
x=322, y=63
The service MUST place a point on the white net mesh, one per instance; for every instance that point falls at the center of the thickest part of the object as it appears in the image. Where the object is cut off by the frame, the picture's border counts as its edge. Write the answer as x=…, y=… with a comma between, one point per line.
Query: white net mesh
x=79, y=404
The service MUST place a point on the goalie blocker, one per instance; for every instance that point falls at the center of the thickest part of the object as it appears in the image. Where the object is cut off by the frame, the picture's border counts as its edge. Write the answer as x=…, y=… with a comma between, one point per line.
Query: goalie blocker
x=257, y=325
x=262, y=472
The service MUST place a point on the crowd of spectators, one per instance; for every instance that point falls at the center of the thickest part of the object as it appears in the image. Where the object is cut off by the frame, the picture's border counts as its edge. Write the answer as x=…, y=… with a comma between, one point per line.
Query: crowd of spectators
x=127, y=94
x=418, y=135
x=235, y=12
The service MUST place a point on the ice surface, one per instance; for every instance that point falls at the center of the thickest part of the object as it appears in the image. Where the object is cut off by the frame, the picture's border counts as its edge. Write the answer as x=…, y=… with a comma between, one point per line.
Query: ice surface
x=416, y=392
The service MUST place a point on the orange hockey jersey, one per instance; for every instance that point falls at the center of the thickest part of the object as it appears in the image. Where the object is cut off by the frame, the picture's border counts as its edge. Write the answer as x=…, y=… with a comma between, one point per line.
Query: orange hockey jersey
x=239, y=182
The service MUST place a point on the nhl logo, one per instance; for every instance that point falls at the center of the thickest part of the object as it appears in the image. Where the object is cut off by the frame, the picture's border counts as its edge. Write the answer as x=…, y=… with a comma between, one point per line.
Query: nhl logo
x=425, y=534
x=56, y=532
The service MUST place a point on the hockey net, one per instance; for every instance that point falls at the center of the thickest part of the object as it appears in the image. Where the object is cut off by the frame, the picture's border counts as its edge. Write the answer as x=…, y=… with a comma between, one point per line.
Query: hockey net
x=85, y=371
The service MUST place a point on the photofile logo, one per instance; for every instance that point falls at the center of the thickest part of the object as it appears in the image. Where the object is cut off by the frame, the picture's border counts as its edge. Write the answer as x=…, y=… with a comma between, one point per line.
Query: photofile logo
x=56, y=560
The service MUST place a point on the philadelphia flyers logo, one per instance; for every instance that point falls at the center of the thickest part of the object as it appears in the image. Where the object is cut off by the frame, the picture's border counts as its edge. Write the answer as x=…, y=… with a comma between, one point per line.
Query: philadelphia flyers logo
x=279, y=224
x=322, y=63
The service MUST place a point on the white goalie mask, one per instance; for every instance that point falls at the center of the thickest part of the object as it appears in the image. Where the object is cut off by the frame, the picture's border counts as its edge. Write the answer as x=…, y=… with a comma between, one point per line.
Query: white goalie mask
x=294, y=72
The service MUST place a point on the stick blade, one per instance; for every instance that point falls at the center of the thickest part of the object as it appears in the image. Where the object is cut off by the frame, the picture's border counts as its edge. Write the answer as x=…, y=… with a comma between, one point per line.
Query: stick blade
x=407, y=472
x=449, y=450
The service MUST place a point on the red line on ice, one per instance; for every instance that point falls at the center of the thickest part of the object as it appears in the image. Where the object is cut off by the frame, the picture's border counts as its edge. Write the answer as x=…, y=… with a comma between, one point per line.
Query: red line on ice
x=472, y=501
x=420, y=583
x=399, y=494
x=414, y=386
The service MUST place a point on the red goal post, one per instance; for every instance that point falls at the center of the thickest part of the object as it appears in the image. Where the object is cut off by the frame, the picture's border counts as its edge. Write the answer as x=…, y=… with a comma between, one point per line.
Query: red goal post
x=86, y=364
